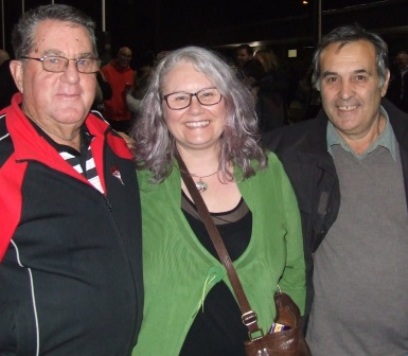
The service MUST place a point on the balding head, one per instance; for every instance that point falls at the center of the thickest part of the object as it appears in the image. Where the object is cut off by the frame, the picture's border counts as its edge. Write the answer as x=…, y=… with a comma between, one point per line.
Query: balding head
x=402, y=60
x=4, y=56
x=124, y=56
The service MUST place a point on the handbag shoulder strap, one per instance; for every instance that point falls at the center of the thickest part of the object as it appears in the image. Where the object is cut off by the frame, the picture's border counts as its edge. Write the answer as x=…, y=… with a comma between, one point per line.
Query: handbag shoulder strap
x=249, y=317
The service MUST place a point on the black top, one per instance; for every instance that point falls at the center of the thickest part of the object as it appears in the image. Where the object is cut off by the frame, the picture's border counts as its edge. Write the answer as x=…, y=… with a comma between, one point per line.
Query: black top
x=217, y=329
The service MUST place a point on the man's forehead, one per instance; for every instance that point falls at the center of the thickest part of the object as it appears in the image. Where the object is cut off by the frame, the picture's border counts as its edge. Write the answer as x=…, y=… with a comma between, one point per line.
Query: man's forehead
x=47, y=37
x=348, y=52
x=338, y=48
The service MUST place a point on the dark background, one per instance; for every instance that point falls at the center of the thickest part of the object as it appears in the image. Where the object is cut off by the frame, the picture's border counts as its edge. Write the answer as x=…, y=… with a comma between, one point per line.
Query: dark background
x=150, y=26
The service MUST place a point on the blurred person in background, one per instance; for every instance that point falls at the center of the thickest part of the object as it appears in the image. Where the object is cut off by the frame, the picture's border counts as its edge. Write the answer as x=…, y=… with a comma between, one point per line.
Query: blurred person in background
x=135, y=95
x=398, y=87
x=272, y=91
x=119, y=74
x=7, y=85
x=248, y=69
x=4, y=56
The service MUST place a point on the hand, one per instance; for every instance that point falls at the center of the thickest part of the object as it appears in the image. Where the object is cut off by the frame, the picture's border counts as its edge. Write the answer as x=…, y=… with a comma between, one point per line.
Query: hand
x=129, y=141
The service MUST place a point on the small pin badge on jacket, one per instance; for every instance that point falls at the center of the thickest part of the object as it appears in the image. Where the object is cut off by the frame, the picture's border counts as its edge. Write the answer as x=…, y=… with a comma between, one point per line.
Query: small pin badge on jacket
x=116, y=173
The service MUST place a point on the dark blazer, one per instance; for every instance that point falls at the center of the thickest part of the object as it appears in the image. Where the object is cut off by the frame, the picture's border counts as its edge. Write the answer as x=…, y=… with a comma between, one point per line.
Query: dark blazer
x=303, y=151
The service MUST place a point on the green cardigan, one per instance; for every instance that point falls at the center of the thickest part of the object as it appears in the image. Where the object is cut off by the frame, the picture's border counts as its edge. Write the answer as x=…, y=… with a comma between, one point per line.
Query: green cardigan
x=179, y=272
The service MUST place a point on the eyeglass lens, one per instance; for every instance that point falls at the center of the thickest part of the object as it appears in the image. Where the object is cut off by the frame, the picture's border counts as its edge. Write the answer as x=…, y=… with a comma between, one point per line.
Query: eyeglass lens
x=181, y=100
x=60, y=64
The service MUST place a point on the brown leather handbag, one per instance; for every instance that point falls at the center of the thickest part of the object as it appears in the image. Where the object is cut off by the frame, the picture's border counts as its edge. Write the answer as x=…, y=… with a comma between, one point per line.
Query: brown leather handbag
x=288, y=342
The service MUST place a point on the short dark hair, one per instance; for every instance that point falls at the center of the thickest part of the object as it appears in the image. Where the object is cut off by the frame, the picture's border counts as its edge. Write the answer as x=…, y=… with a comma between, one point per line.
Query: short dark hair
x=22, y=37
x=247, y=47
x=347, y=34
x=401, y=52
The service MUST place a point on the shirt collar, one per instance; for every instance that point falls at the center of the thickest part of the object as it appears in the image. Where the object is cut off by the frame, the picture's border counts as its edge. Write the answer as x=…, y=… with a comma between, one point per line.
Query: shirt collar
x=386, y=139
x=86, y=139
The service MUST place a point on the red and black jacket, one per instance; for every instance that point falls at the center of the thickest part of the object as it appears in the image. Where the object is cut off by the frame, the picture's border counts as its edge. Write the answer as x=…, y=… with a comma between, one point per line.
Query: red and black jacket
x=70, y=256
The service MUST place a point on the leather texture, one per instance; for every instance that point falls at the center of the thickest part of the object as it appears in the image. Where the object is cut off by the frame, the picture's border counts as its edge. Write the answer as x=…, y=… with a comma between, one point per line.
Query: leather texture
x=283, y=343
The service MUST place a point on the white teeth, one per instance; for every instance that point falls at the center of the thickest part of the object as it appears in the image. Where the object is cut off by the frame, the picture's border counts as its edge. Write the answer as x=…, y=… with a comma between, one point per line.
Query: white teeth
x=197, y=123
x=346, y=108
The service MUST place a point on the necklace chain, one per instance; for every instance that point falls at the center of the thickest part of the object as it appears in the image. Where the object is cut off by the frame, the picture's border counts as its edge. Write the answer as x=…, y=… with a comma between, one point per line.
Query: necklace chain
x=200, y=184
x=201, y=177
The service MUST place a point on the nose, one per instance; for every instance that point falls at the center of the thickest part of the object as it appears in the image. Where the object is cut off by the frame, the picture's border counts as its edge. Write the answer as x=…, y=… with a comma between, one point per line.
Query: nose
x=71, y=74
x=195, y=105
x=346, y=89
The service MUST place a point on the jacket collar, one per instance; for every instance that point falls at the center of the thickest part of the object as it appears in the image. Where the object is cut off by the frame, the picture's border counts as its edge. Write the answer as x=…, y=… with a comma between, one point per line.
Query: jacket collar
x=30, y=145
x=399, y=122
x=313, y=145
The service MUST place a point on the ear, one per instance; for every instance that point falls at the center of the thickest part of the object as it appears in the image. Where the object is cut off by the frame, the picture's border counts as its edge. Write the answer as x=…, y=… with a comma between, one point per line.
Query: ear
x=16, y=69
x=385, y=85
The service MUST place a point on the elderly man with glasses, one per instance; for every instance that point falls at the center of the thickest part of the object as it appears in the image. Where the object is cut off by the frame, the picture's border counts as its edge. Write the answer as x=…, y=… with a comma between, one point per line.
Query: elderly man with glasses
x=70, y=239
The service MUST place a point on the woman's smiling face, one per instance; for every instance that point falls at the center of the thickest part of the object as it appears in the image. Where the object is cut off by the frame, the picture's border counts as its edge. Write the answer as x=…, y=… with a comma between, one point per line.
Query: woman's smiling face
x=196, y=126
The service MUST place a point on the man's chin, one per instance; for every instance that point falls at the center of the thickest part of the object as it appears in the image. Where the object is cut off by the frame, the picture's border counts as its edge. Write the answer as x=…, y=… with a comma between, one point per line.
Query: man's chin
x=70, y=115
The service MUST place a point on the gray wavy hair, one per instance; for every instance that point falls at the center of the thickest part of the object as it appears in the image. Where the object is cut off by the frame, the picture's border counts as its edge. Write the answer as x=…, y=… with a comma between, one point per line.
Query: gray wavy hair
x=24, y=31
x=347, y=34
x=154, y=145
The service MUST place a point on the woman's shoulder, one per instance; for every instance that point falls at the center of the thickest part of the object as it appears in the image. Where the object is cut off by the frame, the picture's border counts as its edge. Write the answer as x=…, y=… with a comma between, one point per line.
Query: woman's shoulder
x=145, y=180
x=272, y=168
x=273, y=160
x=147, y=183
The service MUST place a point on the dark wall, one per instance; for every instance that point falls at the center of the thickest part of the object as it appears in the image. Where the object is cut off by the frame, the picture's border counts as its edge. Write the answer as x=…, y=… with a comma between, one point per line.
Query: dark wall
x=149, y=26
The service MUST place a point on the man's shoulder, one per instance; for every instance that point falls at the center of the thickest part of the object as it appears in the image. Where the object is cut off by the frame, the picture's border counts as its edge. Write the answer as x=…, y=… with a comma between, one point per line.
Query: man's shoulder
x=396, y=115
x=108, y=65
x=108, y=68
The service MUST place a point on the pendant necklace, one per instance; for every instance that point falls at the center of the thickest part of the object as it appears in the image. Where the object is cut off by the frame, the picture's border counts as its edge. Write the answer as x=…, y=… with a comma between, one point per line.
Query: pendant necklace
x=200, y=184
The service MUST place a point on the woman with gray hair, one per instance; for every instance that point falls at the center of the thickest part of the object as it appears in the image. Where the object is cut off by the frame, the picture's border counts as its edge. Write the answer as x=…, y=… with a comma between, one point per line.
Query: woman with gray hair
x=196, y=109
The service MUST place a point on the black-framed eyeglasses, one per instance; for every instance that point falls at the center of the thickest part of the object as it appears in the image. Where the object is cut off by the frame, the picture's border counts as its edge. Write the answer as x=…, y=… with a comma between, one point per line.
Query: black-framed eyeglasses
x=57, y=64
x=181, y=99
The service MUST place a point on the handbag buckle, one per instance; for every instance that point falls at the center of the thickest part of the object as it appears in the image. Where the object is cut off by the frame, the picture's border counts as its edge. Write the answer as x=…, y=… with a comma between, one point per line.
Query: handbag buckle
x=249, y=318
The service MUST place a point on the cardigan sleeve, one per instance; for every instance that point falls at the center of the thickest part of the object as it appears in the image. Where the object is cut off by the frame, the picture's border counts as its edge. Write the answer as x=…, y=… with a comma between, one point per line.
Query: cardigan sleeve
x=293, y=280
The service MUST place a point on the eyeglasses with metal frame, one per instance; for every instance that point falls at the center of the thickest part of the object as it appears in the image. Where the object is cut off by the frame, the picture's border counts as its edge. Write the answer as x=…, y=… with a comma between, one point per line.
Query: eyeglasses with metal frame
x=180, y=99
x=58, y=64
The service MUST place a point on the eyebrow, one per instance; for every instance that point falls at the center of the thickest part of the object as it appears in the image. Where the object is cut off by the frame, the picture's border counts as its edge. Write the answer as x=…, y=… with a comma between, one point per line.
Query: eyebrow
x=358, y=71
x=56, y=52
x=52, y=52
x=189, y=92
